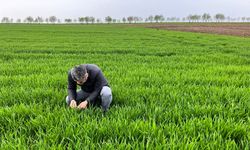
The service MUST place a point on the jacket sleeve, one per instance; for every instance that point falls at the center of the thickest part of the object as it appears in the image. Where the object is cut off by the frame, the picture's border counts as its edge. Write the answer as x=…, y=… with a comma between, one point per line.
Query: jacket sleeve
x=97, y=88
x=71, y=87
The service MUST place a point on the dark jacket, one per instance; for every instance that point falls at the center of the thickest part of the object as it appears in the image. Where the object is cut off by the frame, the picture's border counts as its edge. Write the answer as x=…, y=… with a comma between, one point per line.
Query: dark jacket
x=93, y=85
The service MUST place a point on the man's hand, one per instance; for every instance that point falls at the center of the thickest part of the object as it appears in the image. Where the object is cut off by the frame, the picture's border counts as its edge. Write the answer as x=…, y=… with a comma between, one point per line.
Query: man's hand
x=83, y=105
x=73, y=104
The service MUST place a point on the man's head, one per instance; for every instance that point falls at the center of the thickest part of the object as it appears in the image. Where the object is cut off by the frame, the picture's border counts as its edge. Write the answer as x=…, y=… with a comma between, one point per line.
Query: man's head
x=79, y=74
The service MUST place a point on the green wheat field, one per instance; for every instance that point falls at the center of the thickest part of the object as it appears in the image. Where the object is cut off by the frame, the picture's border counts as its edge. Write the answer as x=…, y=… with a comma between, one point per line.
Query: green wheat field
x=171, y=90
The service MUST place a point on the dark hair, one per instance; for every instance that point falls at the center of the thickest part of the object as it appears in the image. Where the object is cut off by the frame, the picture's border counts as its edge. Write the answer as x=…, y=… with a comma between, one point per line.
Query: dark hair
x=78, y=72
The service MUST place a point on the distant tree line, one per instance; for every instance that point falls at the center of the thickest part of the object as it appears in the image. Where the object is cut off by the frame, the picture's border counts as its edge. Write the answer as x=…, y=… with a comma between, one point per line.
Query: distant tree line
x=206, y=17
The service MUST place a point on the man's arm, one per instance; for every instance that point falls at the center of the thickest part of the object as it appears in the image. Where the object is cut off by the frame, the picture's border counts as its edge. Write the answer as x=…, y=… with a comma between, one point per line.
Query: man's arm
x=98, y=87
x=71, y=88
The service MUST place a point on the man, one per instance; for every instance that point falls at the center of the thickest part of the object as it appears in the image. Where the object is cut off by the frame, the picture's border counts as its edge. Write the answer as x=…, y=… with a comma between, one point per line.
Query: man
x=94, y=87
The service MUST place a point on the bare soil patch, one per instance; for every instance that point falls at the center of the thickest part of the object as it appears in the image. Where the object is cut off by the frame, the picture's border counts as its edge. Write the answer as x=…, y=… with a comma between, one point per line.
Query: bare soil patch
x=235, y=29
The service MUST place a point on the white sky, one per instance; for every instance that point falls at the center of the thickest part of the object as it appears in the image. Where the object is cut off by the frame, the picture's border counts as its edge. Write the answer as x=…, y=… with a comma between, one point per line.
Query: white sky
x=121, y=8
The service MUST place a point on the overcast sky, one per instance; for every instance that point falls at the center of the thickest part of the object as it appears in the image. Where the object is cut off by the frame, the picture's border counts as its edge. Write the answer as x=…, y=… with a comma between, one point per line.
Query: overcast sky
x=120, y=8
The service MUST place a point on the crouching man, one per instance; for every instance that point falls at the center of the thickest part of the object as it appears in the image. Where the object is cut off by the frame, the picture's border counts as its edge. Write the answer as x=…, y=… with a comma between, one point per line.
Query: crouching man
x=94, y=87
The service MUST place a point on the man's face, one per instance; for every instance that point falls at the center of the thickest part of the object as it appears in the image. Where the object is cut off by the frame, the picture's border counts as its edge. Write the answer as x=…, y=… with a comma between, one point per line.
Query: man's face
x=83, y=79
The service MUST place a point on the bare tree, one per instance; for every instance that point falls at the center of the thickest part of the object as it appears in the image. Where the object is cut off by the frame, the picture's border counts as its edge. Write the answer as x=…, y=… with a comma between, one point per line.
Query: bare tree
x=98, y=20
x=68, y=20
x=39, y=19
x=206, y=17
x=52, y=19
x=243, y=19
x=219, y=17
x=47, y=20
x=29, y=19
x=136, y=19
x=108, y=19
x=197, y=18
x=189, y=18
x=5, y=20
x=36, y=21
x=124, y=20
x=81, y=19
x=159, y=18
x=92, y=19
x=248, y=19
x=130, y=19
x=194, y=18
x=151, y=18
x=87, y=19
x=18, y=20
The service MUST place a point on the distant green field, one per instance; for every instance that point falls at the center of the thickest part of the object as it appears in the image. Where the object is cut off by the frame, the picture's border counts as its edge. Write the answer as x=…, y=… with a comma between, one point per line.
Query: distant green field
x=171, y=89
